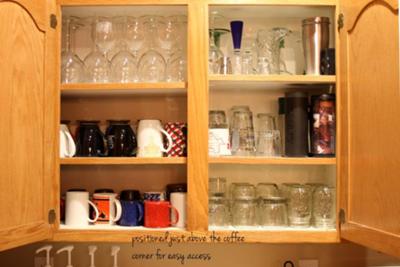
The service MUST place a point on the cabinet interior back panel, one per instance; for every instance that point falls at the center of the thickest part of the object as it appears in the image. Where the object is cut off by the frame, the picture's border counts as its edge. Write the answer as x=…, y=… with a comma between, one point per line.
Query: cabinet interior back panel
x=133, y=107
x=139, y=177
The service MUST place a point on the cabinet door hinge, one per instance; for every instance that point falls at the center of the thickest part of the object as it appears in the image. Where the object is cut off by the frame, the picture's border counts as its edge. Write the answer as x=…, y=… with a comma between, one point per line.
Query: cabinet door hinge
x=340, y=21
x=342, y=216
x=52, y=216
x=53, y=21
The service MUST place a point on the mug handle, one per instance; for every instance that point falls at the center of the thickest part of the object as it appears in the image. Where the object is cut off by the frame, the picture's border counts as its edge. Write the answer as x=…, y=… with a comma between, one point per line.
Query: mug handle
x=141, y=211
x=118, y=211
x=176, y=214
x=63, y=152
x=169, y=138
x=95, y=210
x=71, y=144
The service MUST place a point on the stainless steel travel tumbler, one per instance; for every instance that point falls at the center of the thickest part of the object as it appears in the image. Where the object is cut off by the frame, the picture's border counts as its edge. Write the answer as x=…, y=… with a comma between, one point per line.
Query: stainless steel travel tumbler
x=315, y=39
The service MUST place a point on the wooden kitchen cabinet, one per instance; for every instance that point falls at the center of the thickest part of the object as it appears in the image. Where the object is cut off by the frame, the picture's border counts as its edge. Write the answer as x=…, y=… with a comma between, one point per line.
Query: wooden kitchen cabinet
x=367, y=90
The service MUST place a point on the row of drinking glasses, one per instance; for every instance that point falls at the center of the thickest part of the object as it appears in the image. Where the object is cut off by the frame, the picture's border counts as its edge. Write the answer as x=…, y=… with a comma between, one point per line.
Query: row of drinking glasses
x=126, y=49
x=267, y=60
x=241, y=138
x=297, y=205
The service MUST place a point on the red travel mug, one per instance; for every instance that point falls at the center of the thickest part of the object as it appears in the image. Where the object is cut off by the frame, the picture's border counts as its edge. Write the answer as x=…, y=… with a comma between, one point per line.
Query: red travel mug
x=157, y=214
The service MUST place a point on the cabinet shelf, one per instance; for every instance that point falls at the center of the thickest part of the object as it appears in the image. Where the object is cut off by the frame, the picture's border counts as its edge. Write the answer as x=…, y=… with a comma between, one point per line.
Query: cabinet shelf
x=123, y=88
x=99, y=233
x=272, y=161
x=121, y=161
x=257, y=82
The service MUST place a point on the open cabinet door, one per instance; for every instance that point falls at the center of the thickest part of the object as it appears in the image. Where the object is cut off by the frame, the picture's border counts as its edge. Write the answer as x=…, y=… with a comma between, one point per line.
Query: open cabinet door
x=370, y=125
x=28, y=129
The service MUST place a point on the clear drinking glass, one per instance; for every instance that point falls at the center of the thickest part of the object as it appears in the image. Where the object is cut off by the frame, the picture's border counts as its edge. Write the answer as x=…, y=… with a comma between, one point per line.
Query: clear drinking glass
x=269, y=142
x=215, y=56
x=135, y=35
x=72, y=67
x=300, y=205
x=176, y=70
x=269, y=44
x=96, y=62
x=177, y=62
x=244, y=212
x=267, y=190
x=152, y=65
x=324, y=206
x=123, y=63
x=243, y=143
x=218, y=211
x=217, y=187
x=273, y=212
x=104, y=34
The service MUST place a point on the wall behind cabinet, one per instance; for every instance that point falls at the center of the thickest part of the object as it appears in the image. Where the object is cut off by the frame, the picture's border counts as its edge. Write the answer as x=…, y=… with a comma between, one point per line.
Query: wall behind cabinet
x=253, y=255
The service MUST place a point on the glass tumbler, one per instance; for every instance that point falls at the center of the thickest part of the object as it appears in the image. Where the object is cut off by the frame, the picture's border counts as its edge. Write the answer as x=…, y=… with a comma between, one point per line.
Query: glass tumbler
x=299, y=207
x=244, y=212
x=243, y=142
x=269, y=142
x=324, y=200
x=273, y=212
x=217, y=187
x=218, y=211
x=267, y=190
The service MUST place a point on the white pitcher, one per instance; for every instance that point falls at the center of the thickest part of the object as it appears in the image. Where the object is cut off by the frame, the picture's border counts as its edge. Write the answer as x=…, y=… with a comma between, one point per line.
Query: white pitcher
x=67, y=143
x=150, y=141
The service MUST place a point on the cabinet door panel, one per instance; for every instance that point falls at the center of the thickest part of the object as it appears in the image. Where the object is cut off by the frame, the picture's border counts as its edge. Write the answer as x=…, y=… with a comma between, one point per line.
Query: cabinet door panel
x=371, y=106
x=25, y=187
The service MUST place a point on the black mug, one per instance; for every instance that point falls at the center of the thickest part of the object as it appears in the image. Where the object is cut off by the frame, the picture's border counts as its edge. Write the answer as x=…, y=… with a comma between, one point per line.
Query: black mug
x=121, y=140
x=327, y=66
x=90, y=140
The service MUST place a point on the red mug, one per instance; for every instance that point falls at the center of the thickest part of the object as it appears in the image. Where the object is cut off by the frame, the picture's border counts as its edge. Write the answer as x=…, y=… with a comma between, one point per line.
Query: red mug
x=157, y=214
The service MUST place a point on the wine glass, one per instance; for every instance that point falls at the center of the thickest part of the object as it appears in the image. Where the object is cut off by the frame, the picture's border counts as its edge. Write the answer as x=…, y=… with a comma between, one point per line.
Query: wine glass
x=135, y=35
x=123, y=63
x=96, y=62
x=176, y=62
x=72, y=68
x=152, y=65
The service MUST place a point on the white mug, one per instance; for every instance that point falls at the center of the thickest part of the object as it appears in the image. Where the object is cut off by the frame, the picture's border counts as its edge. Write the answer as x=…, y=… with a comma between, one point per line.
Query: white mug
x=77, y=209
x=178, y=201
x=109, y=207
x=67, y=144
x=150, y=141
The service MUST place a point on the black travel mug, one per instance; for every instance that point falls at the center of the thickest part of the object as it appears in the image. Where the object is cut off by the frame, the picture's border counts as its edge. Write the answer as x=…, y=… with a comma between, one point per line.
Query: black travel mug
x=296, y=124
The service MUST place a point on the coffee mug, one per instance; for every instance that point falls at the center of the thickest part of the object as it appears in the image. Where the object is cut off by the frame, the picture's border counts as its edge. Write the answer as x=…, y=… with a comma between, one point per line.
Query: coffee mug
x=67, y=143
x=77, y=209
x=154, y=196
x=157, y=214
x=150, y=141
x=178, y=201
x=109, y=207
x=132, y=208
x=178, y=132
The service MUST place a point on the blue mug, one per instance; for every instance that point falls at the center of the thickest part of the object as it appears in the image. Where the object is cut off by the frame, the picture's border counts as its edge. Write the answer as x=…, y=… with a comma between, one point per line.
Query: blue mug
x=132, y=208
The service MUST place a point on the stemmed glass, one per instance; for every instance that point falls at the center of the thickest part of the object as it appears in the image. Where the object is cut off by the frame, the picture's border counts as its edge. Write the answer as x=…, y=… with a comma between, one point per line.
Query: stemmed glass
x=135, y=35
x=123, y=64
x=103, y=37
x=176, y=47
x=72, y=68
x=151, y=64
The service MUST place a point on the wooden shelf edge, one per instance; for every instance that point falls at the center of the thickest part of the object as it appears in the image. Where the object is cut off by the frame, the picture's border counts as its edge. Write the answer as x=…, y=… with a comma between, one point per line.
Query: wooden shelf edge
x=272, y=161
x=307, y=236
x=123, y=86
x=121, y=161
x=289, y=79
